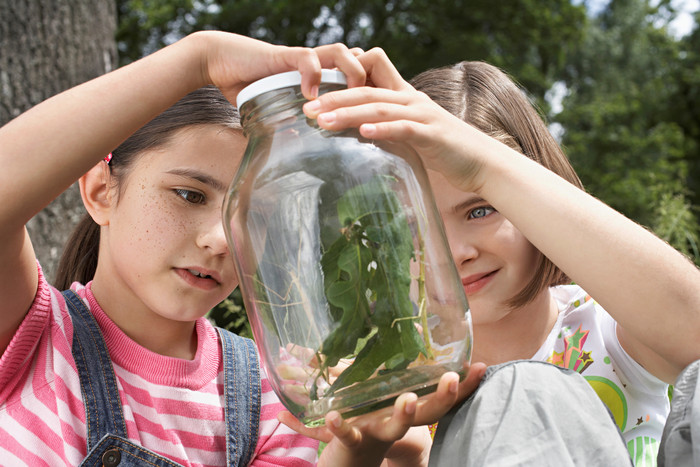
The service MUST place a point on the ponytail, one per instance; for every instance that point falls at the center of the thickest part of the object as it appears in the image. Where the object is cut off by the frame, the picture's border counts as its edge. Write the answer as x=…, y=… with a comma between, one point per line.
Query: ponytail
x=79, y=259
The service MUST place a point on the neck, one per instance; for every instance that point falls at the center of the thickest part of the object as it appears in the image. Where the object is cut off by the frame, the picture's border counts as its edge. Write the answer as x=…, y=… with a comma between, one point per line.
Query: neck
x=154, y=332
x=518, y=335
x=162, y=336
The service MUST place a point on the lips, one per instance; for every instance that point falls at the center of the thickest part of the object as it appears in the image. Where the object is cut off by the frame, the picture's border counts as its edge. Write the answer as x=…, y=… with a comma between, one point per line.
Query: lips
x=200, y=278
x=476, y=282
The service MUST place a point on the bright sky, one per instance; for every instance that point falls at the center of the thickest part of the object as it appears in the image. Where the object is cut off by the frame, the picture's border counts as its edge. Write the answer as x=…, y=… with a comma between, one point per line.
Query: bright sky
x=679, y=27
x=684, y=23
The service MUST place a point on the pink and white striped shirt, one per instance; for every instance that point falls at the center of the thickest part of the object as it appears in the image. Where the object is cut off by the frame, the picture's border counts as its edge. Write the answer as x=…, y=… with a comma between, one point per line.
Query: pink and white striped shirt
x=172, y=406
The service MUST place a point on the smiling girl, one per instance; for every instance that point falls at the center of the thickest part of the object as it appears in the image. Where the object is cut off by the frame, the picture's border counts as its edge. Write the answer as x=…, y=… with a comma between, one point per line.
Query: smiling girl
x=521, y=229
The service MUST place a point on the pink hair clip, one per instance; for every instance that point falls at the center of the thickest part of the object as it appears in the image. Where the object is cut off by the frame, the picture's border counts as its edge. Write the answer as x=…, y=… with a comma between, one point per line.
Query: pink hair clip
x=108, y=158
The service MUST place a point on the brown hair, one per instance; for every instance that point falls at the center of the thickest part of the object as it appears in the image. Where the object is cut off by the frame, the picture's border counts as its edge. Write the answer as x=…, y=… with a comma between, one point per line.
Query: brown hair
x=205, y=106
x=489, y=100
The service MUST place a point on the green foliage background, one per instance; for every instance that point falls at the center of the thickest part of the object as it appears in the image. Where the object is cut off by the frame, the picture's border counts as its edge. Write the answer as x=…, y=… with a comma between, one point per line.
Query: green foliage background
x=230, y=314
x=628, y=114
x=631, y=118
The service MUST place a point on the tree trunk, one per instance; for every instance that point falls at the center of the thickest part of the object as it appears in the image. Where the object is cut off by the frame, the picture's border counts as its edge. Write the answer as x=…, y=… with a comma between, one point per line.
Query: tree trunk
x=47, y=46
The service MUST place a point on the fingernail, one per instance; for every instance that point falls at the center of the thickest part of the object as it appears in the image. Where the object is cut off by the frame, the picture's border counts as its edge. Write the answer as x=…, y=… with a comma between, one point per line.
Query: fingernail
x=314, y=91
x=368, y=130
x=337, y=421
x=410, y=407
x=328, y=117
x=453, y=387
x=312, y=106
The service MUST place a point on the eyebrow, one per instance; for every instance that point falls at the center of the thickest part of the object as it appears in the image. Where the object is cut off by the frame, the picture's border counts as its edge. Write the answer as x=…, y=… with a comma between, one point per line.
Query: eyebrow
x=200, y=177
x=469, y=203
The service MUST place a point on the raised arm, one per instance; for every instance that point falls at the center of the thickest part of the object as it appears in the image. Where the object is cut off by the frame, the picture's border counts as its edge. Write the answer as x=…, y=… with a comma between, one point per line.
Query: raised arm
x=651, y=290
x=45, y=150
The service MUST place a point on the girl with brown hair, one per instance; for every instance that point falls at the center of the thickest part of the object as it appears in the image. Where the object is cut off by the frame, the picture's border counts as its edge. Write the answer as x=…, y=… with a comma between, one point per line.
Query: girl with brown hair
x=122, y=367
x=532, y=248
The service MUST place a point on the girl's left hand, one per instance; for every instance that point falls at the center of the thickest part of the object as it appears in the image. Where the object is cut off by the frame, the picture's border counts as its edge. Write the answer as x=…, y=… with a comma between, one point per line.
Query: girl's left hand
x=387, y=434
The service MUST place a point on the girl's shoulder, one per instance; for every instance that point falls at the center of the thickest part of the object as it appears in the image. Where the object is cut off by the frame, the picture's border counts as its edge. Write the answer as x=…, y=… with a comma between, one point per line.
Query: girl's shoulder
x=577, y=309
x=570, y=297
x=48, y=310
x=46, y=327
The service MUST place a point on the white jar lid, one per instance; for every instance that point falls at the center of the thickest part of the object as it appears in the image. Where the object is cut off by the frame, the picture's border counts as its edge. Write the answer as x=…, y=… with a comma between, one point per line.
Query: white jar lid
x=283, y=80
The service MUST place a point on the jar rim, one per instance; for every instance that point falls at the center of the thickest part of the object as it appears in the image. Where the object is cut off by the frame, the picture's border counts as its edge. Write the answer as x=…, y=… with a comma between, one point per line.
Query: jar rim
x=283, y=80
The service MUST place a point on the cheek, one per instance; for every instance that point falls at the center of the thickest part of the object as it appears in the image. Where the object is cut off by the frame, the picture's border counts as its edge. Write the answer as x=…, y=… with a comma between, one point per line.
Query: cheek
x=527, y=257
x=151, y=224
x=517, y=248
x=532, y=254
x=456, y=230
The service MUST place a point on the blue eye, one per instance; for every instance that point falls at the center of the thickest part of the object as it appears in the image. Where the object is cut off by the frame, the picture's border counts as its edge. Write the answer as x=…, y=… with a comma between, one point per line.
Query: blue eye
x=193, y=197
x=481, y=211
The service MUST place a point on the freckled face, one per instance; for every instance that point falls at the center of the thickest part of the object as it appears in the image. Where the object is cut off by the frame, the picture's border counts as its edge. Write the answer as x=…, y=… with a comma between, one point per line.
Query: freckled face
x=493, y=258
x=164, y=250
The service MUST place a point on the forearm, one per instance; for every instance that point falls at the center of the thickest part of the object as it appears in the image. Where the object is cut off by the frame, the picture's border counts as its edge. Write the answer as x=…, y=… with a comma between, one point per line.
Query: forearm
x=55, y=142
x=635, y=276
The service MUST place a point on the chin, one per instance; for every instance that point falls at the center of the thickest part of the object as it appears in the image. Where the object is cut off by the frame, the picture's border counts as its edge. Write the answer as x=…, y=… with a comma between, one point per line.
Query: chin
x=487, y=313
x=183, y=313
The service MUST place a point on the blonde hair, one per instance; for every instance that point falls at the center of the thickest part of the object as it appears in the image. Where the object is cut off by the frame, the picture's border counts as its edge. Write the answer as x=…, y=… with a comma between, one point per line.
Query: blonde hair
x=489, y=100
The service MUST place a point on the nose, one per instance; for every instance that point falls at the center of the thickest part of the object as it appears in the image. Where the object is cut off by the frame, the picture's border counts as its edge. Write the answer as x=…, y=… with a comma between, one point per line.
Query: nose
x=213, y=237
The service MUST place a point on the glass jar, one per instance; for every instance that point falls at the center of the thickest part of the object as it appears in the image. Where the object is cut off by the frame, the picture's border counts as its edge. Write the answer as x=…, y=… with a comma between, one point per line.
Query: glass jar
x=343, y=262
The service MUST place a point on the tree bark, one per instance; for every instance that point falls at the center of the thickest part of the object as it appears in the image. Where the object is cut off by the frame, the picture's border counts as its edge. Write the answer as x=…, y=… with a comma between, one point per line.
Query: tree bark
x=47, y=46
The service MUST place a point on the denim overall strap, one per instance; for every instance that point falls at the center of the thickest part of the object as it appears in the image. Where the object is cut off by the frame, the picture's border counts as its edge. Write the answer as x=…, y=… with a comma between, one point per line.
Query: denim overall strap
x=107, y=443
x=103, y=407
x=242, y=390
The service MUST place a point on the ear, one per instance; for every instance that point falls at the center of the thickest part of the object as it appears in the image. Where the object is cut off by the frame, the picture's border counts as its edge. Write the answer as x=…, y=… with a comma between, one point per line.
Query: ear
x=96, y=193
